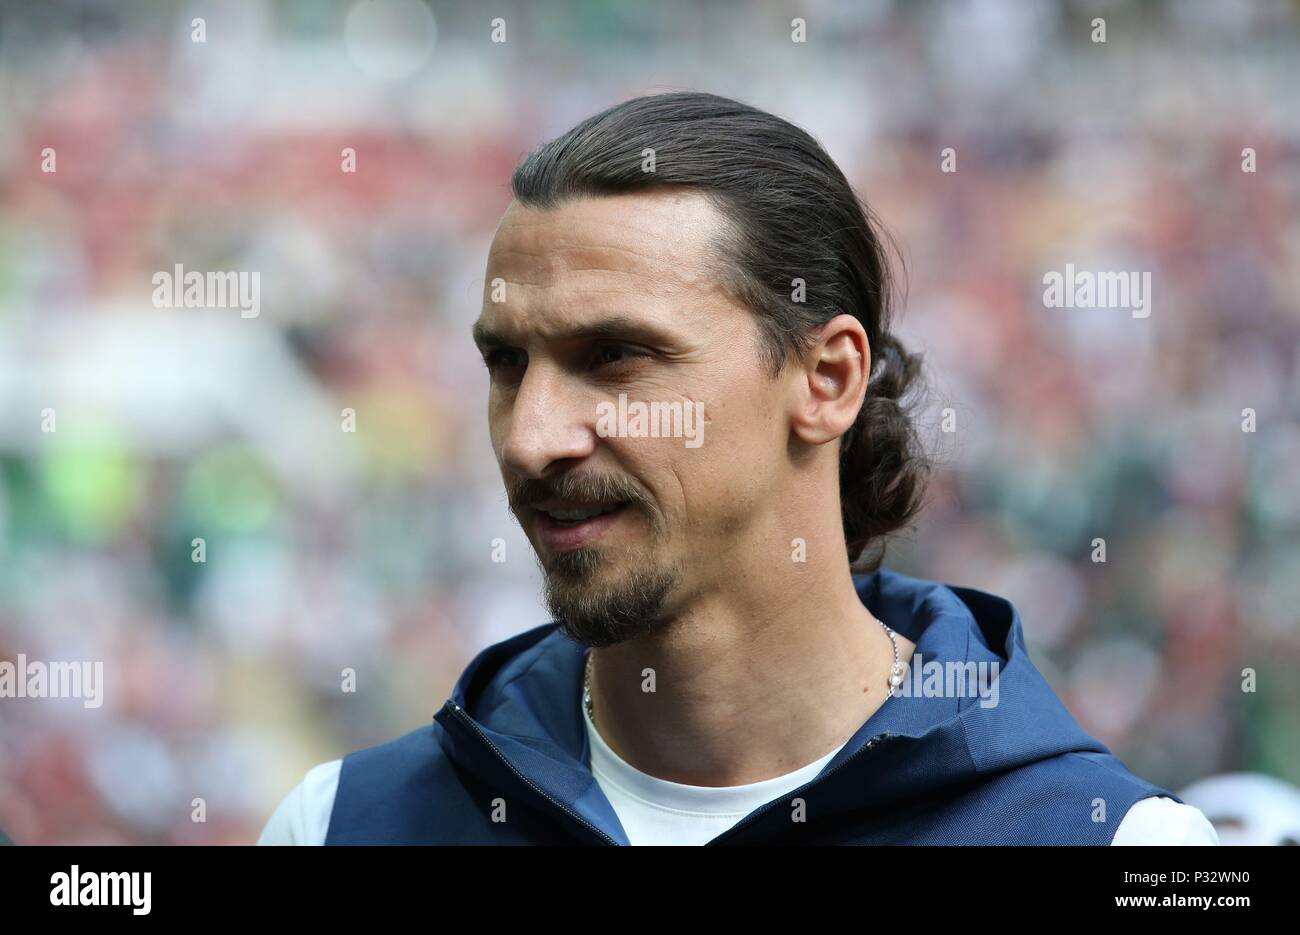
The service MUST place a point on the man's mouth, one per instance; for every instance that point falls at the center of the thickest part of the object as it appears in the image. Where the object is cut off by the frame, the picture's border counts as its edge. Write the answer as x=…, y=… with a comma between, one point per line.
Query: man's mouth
x=569, y=513
x=567, y=524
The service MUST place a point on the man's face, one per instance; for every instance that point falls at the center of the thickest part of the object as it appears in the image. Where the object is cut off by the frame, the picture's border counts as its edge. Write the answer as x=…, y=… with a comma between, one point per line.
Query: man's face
x=611, y=296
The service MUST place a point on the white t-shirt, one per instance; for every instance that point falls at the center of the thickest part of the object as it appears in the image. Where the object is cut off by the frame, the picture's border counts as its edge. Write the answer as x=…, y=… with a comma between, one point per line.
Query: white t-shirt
x=655, y=811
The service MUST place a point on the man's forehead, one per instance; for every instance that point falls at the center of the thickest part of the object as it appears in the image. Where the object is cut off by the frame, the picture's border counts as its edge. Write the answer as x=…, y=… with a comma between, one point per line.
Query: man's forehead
x=666, y=237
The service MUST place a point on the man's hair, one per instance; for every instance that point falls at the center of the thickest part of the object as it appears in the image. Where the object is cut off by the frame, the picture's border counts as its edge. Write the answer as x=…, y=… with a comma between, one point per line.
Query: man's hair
x=791, y=215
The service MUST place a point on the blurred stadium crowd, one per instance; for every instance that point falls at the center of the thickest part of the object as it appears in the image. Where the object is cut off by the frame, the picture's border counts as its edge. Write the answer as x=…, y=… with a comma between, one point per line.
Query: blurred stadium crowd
x=371, y=551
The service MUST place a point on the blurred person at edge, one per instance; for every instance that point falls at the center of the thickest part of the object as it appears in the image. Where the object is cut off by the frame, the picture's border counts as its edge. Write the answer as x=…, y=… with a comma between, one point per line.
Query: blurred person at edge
x=712, y=651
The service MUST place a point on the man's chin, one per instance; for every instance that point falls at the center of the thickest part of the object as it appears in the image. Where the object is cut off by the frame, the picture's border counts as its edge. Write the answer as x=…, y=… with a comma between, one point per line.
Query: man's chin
x=574, y=567
x=598, y=604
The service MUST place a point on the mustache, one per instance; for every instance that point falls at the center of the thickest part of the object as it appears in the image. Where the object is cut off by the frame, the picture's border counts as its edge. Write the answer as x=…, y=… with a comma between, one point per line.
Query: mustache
x=585, y=487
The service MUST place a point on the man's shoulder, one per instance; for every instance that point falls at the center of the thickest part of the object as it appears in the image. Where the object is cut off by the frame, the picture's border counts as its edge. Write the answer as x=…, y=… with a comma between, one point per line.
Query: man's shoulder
x=303, y=816
x=394, y=766
x=1086, y=796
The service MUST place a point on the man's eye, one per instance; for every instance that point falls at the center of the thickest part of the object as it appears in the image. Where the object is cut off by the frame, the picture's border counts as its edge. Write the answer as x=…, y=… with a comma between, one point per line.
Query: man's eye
x=608, y=354
x=501, y=358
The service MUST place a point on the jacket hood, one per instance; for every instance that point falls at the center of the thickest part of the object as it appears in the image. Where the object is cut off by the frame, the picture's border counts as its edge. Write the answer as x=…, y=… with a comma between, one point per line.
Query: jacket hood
x=515, y=714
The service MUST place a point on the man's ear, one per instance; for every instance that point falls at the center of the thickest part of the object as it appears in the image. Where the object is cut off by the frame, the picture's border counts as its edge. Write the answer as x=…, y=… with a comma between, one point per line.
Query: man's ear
x=832, y=382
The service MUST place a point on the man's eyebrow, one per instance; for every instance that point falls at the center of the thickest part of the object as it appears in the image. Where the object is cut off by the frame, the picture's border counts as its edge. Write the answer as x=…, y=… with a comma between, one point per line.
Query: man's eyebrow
x=612, y=328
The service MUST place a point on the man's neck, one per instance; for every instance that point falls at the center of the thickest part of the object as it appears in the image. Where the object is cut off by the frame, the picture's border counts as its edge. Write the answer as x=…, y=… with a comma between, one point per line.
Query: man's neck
x=746, y=686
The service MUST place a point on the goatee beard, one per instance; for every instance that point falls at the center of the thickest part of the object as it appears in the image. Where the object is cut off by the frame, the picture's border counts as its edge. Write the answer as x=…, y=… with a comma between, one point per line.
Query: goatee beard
x=597, y=613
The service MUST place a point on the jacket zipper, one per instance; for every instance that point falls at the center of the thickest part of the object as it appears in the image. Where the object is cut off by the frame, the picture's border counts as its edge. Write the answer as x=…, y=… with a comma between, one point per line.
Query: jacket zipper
x=605, y=838
x=812, y=782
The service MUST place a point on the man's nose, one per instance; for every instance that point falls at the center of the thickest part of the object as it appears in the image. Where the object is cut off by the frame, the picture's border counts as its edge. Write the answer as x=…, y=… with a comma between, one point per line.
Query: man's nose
x=547, y=422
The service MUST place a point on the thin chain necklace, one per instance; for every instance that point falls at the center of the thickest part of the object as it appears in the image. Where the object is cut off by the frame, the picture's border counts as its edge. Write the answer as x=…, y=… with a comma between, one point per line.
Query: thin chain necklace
x=895, y=676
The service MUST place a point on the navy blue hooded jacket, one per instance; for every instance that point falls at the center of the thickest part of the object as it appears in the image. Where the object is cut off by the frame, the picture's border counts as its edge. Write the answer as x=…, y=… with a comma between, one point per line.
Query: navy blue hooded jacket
x=920, y=770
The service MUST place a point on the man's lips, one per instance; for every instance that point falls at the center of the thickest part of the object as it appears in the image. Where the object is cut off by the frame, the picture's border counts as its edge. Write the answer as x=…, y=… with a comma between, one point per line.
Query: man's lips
x=561, y=536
